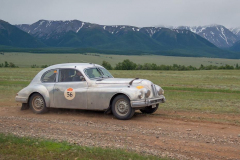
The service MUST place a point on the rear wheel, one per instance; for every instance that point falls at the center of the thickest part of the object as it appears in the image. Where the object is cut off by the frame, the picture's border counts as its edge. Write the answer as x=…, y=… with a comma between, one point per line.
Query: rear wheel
x=149, y=109
x=37, y=103
x=121, y=108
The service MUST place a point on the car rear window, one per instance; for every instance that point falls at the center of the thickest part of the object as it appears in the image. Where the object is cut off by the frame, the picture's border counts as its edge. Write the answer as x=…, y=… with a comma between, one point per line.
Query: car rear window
x=49, y=76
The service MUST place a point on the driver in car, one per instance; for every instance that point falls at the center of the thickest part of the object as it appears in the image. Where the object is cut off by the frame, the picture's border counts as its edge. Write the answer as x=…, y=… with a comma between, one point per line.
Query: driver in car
x=78, y=76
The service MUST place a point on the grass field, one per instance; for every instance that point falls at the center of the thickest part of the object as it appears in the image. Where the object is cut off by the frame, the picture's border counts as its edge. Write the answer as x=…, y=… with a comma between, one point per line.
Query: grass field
x=28, y=59
x=215, y=91
x=12, y=147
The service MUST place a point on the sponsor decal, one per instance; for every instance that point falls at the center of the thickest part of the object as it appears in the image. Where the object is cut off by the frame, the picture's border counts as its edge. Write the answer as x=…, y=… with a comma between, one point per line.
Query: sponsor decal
x=69, y=94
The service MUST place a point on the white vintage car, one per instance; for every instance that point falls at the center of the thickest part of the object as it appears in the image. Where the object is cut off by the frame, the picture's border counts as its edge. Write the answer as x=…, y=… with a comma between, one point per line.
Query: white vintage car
x=90, y=87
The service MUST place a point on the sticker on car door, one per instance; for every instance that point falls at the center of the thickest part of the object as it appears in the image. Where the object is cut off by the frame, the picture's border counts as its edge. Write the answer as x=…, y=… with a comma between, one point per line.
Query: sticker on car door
x=69, y=94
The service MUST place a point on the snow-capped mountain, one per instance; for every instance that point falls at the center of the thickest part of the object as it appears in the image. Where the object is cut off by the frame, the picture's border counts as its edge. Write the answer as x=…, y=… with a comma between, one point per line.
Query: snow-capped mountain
x=236, y=31
x=10, y=35
x=216, y=34
x=75, y=33
x=78, y=36
x=45, y=28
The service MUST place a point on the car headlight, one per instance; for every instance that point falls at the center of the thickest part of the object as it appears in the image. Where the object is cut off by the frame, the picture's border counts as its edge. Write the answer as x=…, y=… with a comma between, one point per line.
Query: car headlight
x=144, y=93
x=147, y=94
x=160, y=92
x=140, y=95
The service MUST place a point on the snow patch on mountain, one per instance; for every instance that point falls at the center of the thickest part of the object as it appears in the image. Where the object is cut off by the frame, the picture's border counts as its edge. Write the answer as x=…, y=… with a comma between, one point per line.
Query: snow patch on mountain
x=236, y=31
x=216, y=34
x=80, y=27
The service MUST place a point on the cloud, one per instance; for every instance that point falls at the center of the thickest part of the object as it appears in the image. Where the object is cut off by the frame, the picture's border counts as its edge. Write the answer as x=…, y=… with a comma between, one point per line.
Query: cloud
x=125, y=12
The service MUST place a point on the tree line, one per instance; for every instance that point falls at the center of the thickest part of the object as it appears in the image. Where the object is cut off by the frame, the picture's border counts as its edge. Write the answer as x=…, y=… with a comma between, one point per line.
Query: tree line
x=36, y=66
x=12, y=65
x=129, y=65
x=8, y=65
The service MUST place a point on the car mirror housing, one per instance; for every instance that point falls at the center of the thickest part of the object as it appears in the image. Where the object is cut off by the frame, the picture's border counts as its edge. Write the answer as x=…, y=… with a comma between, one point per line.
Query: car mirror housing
x=82, y=78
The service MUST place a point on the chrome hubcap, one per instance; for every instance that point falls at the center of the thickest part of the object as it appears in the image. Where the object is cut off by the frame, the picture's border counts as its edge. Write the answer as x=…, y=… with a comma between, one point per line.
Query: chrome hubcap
x=122, y=107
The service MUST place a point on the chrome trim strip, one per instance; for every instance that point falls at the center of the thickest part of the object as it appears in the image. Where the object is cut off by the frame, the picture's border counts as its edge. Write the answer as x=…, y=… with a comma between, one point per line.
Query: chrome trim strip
x=147, y=102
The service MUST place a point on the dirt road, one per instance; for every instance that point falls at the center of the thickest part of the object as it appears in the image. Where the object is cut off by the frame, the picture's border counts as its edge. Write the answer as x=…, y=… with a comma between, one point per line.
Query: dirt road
x=149, y=134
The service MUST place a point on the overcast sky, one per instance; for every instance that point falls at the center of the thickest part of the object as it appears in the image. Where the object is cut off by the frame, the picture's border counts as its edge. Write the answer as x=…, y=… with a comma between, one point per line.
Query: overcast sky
x=140, y=13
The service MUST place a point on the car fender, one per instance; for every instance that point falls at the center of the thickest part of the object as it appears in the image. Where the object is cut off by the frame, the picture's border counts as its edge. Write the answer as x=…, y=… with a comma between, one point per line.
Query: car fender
x=44, y=92
x=130, y=92
x=38, y=88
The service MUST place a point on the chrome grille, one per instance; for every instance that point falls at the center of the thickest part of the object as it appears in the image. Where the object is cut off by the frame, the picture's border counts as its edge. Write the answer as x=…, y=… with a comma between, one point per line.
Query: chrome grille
x=154, y=90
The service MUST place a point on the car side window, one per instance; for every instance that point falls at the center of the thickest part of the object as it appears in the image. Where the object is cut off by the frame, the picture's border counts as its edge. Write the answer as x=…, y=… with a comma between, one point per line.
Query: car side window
x=70, y=75
x=49, y=76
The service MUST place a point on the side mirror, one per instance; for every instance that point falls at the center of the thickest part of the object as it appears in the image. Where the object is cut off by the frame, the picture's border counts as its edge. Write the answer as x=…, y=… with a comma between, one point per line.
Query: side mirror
x=82, y=78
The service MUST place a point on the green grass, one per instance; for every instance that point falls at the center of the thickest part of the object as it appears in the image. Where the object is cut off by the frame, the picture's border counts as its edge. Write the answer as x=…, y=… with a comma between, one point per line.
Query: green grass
x=12, y=147
x=214, y=91
x=28, y=59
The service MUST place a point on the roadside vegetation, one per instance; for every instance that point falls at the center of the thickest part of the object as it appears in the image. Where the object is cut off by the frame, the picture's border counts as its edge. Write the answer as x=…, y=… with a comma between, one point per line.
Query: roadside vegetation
x=27, y=60
x=129, y=65
x=36, y=66
x=12, y=147
x=8, y=65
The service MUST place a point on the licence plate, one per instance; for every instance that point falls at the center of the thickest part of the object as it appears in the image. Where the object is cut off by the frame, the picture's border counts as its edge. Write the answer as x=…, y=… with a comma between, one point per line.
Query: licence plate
x=154, y=106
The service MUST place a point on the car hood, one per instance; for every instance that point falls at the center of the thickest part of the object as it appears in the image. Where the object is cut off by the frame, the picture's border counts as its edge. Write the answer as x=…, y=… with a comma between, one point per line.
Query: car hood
x=119, y=81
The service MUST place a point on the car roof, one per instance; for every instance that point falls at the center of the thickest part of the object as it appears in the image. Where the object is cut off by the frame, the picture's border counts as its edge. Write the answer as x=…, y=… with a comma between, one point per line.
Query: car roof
x=80, y=66
x=73, y=65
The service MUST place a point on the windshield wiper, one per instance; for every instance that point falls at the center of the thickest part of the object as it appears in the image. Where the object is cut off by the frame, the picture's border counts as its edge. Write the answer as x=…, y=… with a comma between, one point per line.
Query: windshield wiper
x=130, y=83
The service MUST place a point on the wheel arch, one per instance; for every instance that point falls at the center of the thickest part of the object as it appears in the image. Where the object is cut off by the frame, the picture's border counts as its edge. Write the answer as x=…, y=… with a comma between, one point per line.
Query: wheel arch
x=115, y=95
x=122, y=116
x=46, y=102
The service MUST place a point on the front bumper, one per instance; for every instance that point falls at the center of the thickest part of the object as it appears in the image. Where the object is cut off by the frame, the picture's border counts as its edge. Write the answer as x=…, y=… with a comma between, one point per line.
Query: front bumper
x=147, y=102
x=21, y=99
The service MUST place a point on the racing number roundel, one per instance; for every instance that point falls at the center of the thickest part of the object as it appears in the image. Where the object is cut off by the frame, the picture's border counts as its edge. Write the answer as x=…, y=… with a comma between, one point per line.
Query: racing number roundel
x=69, y=93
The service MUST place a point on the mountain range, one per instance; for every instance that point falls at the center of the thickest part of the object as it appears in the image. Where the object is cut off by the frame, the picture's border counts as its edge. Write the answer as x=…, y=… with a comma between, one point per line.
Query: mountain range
x=216, y=34
x=179, y=41
x=12, y=36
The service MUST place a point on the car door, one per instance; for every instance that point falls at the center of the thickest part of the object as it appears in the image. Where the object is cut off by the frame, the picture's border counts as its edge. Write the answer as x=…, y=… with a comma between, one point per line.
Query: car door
x=48, y=80
x=69, y=91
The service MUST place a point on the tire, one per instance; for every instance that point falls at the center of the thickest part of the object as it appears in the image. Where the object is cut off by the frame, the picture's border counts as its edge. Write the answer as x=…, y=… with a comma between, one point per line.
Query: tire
x=121, y=108
x=149, y=109
x=37, y=103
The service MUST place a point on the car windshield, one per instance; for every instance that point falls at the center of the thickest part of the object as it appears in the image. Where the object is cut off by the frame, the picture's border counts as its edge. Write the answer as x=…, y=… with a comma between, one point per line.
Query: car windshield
x=95, y=73
x=105, y=73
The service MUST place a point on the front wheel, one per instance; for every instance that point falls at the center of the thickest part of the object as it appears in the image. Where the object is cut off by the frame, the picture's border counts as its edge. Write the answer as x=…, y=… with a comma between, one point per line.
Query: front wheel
x=121, y=108
x=37, y=103
x=149, y=109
